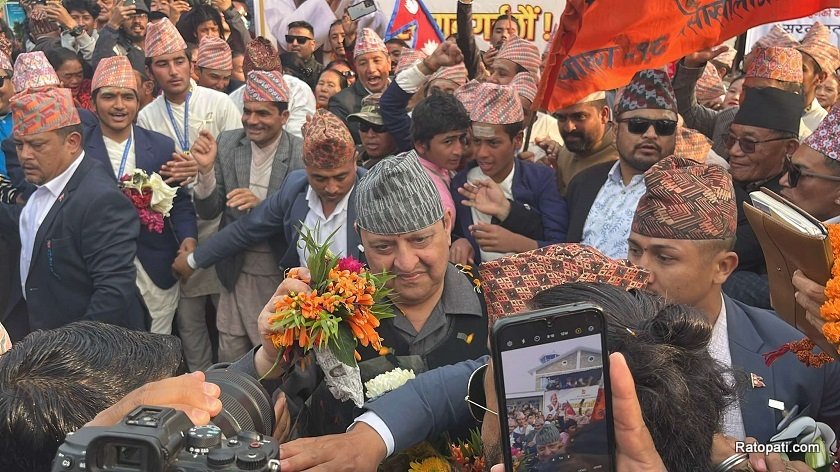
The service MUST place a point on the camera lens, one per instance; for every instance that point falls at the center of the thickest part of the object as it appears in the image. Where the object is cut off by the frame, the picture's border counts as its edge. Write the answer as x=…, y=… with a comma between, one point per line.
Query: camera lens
x=246, y=406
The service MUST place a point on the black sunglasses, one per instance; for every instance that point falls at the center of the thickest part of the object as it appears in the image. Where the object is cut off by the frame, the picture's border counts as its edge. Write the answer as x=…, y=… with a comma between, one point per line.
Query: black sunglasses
x=290, y=38
x=747, y=146
x=795, y=172
x=476, y=397
x=641, y=125
x=364, y=127
x=348, y=74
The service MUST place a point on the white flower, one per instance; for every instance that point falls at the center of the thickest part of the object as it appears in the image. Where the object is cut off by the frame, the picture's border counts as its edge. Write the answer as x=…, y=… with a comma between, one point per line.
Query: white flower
x=162, y=194
x=384, y=383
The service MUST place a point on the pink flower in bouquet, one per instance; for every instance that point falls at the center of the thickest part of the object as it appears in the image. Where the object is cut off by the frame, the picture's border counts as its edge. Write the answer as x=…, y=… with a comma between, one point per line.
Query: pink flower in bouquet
x=153, y=221
x=350, y=263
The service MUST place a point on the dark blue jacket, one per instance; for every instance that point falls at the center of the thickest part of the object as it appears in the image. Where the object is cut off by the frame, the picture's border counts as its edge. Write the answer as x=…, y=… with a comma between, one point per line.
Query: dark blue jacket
x=534, y=193
x=392, y=107
x=155, y=251
x=83, y=258
x=276, y=220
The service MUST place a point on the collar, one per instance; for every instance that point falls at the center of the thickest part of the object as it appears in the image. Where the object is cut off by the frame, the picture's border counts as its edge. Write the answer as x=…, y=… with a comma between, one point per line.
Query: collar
x=454, y=300
x=615, y=176
x=814, y=107
x=56, y=185
x=316, y=206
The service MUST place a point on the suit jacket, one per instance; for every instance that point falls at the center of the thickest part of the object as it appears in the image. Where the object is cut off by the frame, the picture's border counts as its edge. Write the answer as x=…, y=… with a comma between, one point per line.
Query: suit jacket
x=753, y=332
x=83, y=258
x=347, y=102
x=583, y=189
x=155, y=251
x=534, y=190
x=233, y=170
x=276, y=219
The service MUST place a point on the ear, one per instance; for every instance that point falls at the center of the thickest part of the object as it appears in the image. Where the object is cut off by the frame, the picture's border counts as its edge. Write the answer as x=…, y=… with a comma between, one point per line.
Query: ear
x=726, y=263
x=517, y=140
x=447, y=223
x=791, y=146
x=821, y=77
x=421, y=147
x=605, y=115
x=285, y=117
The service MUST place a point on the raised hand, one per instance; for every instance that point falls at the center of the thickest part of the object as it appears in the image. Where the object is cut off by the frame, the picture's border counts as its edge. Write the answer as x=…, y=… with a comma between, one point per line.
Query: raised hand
x=700, y=58
x=487, y=197
x=204, y=151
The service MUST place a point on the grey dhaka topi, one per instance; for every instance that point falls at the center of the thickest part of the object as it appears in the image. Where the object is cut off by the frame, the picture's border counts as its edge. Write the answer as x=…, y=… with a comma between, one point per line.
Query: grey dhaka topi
x=397, y=197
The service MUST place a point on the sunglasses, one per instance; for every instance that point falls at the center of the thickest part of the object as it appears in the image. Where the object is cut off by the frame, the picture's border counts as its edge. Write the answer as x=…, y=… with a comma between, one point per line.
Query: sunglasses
x=747, y=146
x=290, y=38
x=641, y=125
x=476, y=398
x=795, y=172
x=364, y=127
x=348, y=74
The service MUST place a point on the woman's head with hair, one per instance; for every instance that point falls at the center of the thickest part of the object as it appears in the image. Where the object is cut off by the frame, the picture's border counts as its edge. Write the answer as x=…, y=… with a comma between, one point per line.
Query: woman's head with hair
x=682, y=391
x=53, y=382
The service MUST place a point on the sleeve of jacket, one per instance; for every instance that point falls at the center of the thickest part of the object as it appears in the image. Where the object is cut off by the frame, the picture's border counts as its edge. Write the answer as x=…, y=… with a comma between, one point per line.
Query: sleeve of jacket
x=552, y=206
x=466, y=39
x=108, y=247
x=264, y=221
x=392, y=107
x=182, y=214
x=104, y=45
x=436, y=400
x=523, y=220
x=240, y=36
x=696, y=116
x=213, y=205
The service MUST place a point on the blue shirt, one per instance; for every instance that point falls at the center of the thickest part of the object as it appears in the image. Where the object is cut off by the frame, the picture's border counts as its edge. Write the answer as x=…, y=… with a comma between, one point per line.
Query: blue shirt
x=5, y=132
x=608, y=225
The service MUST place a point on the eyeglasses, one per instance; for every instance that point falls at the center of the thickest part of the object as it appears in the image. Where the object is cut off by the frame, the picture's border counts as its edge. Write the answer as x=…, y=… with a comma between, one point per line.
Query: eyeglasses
x=476, y=397
x=641, y=125
x=795, y=172
x=747, y=146
x=290, y=38
x=364, y=127
x=347, y=74
x=3, y=79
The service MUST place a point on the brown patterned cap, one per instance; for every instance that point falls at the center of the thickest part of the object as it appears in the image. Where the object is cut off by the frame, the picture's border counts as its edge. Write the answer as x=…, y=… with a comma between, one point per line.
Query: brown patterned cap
x=509, y=283
x=327, y=143
x=649, y=89
x=687, y=200
x=692, y=144
x=817, y=43
x=776, y=37
x=408, y=58
x=260, y=55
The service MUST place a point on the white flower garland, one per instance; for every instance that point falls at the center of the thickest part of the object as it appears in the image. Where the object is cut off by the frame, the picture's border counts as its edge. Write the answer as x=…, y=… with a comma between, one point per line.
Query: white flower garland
x=384, y=383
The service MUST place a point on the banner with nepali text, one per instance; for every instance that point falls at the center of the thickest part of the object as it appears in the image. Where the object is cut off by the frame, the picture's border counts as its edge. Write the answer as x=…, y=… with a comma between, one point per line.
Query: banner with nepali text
x=601, y=44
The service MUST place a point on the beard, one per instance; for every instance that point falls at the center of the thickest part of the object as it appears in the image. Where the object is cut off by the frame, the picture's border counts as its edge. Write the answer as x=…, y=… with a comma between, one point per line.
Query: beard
x=581, y=143
x=644, y=162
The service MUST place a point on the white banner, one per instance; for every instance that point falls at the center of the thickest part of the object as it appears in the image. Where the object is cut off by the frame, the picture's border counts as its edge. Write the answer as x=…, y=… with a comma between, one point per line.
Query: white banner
x=829, y=17
x=404, y=18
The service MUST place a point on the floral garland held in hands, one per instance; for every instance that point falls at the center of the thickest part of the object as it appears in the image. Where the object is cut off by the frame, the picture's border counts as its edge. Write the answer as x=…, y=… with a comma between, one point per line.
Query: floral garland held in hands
x=151, y=197
x=343, y=310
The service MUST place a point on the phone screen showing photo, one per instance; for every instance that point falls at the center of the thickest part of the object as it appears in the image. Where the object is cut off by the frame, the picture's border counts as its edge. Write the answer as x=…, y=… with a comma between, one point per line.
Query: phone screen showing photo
x=555, y=397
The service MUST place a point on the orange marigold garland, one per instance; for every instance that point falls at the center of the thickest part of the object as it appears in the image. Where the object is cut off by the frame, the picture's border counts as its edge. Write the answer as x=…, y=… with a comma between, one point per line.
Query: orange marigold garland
x=343, y=309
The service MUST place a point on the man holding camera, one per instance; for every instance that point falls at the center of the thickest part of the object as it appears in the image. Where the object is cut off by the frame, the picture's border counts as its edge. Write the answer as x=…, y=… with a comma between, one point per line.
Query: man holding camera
x=124, y=34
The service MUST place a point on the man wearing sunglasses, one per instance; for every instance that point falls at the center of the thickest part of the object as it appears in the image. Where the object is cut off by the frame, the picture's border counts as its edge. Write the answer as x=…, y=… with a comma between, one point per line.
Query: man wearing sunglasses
x=603, y=198
x=760, y=142
x=301, y=43
x=377, y=142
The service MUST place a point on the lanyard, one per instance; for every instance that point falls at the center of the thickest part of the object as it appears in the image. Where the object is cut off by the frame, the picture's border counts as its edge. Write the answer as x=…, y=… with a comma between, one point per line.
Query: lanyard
x=183, y=140
x=125, y=155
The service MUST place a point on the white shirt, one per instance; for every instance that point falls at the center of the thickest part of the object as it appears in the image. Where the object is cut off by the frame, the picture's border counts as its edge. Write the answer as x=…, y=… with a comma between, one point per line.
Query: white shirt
x=209, y=109
x=813, y=116
x=301, y=103
x=115, y=154
x=478, y=217
x=33, y=214
x=326, y=225
x=733, y=421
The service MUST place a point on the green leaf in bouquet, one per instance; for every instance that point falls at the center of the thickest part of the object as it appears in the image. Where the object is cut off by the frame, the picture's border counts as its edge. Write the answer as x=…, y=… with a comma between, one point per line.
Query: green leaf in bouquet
x=815, y=460
x=343, y=345
x=320, y=259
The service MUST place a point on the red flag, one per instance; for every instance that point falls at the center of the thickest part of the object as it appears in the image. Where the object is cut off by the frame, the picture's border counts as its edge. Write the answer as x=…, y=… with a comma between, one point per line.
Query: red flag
x=408, y=13
x=600, y=44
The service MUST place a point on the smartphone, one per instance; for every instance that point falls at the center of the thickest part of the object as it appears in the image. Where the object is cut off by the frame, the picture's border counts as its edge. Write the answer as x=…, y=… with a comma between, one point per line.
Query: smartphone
x=130, y=3
x=361, y=9
x=551, y=371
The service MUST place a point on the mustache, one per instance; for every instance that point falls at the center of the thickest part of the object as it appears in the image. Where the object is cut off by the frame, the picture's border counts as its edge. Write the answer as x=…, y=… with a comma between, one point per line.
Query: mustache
x=573, y=134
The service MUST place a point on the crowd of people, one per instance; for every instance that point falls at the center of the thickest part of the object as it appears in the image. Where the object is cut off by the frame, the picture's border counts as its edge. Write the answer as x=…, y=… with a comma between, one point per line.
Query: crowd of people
x=421, y=164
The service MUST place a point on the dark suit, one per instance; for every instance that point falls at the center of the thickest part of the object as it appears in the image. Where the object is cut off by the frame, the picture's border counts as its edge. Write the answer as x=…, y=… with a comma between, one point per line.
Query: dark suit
x=534, y=190
x=83, y=257
x=581, y=194
x=233, y=170
x=347, y=102
x=437, y=397
x=155, y=251
x=276, y=220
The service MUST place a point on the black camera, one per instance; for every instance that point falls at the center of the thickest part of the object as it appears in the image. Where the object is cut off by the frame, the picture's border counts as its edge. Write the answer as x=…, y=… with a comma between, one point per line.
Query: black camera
x=152, y=439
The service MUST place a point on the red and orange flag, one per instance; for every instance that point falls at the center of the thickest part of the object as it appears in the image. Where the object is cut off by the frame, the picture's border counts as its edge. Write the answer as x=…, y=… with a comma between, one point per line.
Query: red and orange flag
x=600, y=44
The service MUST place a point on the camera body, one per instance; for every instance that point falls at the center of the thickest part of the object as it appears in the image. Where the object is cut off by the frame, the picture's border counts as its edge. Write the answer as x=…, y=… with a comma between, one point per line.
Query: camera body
x=163, y=439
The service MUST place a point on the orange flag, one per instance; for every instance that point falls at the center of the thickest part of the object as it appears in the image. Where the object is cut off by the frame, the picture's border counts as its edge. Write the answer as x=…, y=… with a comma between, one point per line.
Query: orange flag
x=600, y=44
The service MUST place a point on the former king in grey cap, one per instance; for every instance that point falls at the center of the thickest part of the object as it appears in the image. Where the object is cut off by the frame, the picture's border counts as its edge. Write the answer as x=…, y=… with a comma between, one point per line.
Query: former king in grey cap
x=397, y=197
